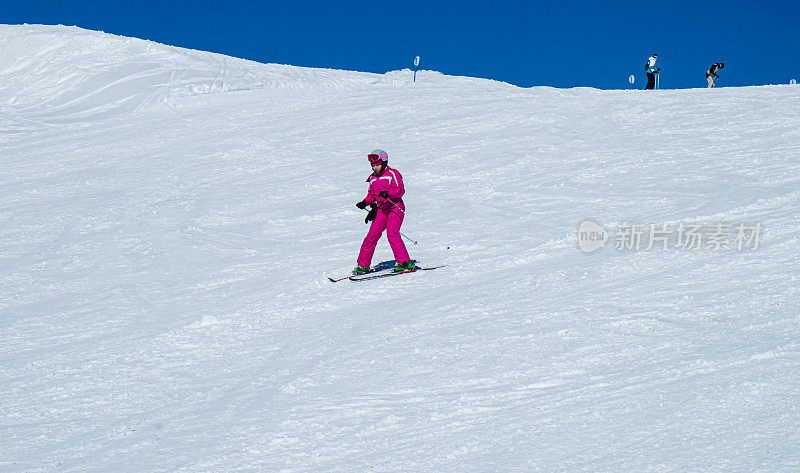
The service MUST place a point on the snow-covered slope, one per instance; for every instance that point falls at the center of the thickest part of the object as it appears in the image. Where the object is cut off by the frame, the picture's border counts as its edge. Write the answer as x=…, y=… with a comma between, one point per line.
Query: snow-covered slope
x=168, y=219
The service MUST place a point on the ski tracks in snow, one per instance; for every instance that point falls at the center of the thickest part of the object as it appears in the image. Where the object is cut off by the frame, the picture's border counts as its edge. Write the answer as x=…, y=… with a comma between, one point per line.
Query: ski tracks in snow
x=165, y=305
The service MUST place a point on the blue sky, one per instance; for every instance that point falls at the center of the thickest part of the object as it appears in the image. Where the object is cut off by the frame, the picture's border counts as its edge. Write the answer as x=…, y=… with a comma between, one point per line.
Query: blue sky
x=527, y=43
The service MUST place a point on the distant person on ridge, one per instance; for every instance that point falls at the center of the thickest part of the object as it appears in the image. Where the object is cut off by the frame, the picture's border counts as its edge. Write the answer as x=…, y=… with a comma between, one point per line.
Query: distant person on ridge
x=650, y=67
x=711, y=74
x=385, y=196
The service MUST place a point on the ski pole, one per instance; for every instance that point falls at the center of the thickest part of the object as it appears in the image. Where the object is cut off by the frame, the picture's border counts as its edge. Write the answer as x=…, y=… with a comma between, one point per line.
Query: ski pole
x=413, y=220
x=404, y=235
x=407, y=238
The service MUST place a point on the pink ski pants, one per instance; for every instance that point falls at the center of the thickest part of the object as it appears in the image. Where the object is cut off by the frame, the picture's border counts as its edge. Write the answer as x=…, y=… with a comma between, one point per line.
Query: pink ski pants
x=389, y=220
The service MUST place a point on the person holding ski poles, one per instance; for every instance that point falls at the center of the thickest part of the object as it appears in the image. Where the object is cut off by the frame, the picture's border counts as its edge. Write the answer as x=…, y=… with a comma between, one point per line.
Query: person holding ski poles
x=650, y=67
x=385, y=196
x=711, y=74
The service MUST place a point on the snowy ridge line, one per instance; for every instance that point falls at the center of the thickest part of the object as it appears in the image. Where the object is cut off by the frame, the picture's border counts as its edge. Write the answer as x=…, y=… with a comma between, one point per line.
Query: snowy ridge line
x=84, y=73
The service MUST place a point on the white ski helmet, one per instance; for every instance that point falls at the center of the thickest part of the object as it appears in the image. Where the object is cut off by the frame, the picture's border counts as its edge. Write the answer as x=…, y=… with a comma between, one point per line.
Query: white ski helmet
x=378, y=156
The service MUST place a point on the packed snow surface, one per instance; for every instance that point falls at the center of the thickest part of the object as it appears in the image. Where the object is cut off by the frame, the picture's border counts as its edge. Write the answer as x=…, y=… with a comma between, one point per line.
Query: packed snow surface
x=169, y=218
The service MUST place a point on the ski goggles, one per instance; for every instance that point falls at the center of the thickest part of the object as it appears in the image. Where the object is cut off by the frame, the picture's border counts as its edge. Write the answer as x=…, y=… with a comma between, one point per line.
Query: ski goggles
x=377, y=158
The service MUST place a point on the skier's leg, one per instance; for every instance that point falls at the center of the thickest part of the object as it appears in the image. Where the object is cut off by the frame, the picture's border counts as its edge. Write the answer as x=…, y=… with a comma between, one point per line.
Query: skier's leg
x=710, y=81
x=371, y=240
x=395, y=220
x=651, y=80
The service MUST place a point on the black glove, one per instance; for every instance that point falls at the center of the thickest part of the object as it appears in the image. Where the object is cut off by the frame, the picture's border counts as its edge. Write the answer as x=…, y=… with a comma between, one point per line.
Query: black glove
x=384, y=194
x=361, y=205
x=658, y=70
x=371, y=215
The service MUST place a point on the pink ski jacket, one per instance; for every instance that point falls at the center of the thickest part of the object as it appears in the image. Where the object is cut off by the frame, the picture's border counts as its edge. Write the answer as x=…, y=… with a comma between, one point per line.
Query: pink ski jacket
x=390, y=181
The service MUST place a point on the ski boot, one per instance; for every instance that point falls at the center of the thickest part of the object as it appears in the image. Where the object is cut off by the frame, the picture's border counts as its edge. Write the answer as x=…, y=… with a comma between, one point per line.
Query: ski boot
x=407, y=266
x=360, y=270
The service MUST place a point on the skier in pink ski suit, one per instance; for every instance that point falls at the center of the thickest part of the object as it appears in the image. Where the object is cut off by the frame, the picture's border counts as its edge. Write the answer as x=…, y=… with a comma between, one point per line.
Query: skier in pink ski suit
x=385, y=195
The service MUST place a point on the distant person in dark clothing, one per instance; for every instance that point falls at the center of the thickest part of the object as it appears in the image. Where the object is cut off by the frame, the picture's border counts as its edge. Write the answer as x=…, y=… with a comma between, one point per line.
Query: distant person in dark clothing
x=650, y=67
x=711, y=74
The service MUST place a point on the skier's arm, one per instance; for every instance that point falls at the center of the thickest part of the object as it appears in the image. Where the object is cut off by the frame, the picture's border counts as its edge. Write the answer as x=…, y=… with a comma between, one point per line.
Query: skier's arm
x=398, y=190
x=370, y=198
